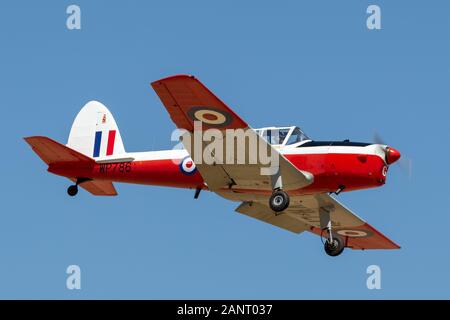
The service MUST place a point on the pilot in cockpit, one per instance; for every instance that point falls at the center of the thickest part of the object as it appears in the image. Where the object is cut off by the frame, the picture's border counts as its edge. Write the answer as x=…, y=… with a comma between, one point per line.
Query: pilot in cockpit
x=282, y=136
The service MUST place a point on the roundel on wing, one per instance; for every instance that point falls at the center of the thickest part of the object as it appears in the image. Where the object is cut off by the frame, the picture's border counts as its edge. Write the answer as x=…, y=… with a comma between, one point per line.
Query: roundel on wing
x=211, y=116
x=187, y=166
x=353, y=233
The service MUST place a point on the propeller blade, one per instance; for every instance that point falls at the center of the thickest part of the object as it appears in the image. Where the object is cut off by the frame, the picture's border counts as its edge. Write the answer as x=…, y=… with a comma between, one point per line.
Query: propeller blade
x=377, y=139
x=405, y=163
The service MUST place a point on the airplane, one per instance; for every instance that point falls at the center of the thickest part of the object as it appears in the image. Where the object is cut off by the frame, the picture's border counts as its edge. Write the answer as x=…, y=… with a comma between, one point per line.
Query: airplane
x=298, y=195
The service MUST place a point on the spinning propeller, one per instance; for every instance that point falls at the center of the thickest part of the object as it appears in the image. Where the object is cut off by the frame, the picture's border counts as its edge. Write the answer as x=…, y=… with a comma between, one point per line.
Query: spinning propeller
x=393, y=155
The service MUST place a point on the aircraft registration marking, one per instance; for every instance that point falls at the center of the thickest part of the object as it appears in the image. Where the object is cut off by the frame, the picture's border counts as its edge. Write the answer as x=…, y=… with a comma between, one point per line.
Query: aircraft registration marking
x=122, y=167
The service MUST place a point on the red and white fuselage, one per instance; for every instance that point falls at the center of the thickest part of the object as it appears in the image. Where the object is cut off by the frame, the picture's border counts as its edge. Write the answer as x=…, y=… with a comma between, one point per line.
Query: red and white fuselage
x=333, y=164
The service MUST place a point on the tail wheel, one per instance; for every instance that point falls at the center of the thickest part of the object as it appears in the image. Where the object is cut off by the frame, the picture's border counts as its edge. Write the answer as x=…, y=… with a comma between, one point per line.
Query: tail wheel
x=72, y=190
x=334, y=247
x=279, y=201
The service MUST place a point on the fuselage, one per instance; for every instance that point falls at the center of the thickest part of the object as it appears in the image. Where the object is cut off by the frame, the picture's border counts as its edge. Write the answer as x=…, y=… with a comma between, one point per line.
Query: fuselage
x=334, y=165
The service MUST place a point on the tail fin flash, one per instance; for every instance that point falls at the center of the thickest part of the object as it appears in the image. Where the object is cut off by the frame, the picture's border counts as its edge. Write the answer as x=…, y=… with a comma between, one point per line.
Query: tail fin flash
x=95, y=133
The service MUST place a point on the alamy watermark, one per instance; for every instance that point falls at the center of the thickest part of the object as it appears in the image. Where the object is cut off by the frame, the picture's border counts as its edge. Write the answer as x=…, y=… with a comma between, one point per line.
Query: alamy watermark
x=73, y=281
x=374, y=279
x=228, y=146
x=373, y=22
x=73, y=21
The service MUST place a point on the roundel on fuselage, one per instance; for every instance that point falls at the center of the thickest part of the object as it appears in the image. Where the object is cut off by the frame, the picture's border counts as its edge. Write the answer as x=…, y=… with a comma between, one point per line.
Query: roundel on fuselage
x=187, y=166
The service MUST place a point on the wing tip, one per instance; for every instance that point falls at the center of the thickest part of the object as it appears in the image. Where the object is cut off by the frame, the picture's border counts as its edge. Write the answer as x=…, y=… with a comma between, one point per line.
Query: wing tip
x=28, y=139
x=32, y=139
x=392, y=243
x=173, y=77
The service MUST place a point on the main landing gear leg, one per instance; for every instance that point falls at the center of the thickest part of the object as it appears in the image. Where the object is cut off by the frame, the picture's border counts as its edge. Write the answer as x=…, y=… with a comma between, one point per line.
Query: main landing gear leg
x=73, y=189
x=338, y=190
x=334, y=244
x=197, y=193
x=279, y=201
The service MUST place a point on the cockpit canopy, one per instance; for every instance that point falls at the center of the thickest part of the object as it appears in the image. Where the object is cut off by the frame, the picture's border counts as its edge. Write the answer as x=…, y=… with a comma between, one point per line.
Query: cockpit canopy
x=282, y=135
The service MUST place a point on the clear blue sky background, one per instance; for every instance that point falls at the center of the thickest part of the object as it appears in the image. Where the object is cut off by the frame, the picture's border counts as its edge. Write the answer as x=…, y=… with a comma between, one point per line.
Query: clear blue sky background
x=308, y=63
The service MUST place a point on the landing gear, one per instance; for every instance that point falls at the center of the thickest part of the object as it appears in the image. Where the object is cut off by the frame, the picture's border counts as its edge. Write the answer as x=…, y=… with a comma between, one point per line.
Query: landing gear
x=334, y=247
x=279, y=201
x=197, y=193
x=72, y=190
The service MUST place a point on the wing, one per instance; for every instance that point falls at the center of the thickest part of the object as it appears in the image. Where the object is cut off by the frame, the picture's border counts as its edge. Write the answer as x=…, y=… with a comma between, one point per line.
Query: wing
x=303, y=214
x=187, y=100
x=264, y=213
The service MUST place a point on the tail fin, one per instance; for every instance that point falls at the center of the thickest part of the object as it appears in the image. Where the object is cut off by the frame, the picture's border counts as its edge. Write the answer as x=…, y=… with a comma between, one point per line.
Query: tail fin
x=95, y=133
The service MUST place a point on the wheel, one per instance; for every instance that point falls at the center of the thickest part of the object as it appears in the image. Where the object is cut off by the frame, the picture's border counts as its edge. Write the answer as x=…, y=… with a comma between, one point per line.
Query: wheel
x=334, y=248
x=279, y=201
x=72, y=190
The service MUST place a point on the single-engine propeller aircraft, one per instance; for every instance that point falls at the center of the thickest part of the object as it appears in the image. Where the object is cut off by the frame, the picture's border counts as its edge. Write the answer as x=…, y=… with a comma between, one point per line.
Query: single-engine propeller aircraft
x=296, y=196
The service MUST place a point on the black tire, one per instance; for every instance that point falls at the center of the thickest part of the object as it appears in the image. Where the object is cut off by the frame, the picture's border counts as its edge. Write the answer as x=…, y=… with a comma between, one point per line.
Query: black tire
x=72, y=190
x=279, y=201
x=335, y=248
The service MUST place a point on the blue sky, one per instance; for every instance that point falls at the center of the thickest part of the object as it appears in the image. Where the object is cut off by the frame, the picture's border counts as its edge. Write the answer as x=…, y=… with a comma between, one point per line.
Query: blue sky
x=309, y=63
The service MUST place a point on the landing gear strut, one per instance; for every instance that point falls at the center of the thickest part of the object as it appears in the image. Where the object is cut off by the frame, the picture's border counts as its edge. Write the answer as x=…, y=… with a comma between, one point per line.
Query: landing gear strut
x=279, y=201
x=333, y=245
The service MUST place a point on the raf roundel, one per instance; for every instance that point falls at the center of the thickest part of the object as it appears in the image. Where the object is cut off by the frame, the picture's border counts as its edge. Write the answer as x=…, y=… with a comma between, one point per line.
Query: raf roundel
x=353, y=233
x=187, y=166
x=211, y=116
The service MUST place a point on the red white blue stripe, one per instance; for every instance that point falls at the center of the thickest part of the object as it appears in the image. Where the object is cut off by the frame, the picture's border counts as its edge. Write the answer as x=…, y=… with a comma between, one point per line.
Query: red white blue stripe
x=109, y=145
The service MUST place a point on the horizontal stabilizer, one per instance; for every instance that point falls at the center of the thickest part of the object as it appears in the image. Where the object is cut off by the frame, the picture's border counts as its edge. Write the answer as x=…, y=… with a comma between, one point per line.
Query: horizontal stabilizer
x=52, y=152
x=98, y=187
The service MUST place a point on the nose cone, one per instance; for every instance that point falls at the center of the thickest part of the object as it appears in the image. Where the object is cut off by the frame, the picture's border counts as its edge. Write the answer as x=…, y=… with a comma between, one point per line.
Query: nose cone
x=392, y=155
